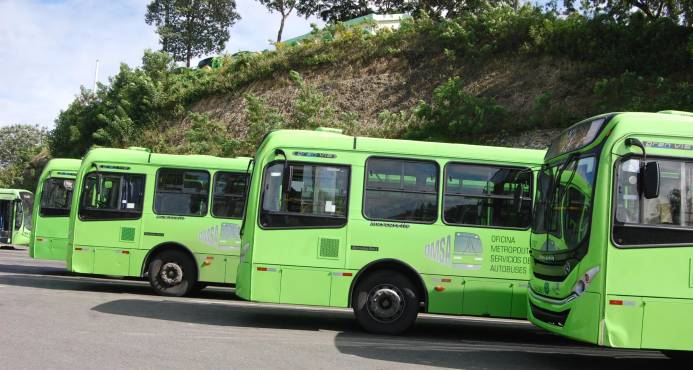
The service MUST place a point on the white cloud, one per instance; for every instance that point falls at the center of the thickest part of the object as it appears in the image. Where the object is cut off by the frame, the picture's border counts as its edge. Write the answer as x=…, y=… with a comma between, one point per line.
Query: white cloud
x=48, y=48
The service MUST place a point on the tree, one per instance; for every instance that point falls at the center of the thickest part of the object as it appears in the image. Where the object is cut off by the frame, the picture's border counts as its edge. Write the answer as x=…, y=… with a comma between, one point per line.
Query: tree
x=115, y=114
x=335, y=10
x=343, y=10
x=680, y=11
x=19, y=144
x=190, y=28
x=283, y=7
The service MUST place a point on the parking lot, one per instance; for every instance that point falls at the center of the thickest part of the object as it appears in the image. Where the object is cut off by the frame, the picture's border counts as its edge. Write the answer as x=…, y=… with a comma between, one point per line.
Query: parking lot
x=50, y=318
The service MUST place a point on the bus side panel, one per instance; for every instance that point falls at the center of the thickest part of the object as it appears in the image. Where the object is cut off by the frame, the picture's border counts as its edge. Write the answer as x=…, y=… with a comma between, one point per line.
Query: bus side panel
x=487, y=298
x=231, y=269
x=519, y=305
x=623, y=322
x=667, y=324
x=112, y=261
x=211, y=267
x=305, y=286
x=82, y=260
x=266, y=283
x=444, y=294
x=339, y=291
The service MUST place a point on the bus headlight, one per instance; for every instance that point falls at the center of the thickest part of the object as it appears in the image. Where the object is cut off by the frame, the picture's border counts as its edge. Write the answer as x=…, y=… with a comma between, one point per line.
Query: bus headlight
x=584, y=282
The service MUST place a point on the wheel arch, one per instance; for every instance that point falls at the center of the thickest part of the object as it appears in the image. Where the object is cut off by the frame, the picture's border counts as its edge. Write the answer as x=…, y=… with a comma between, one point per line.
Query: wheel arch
x=166, y=246
x=392, y=264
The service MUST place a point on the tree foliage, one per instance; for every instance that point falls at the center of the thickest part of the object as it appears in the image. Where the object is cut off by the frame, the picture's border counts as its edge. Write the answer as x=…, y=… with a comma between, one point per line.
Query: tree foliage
x=19, y=144
x=343, y=10
x=190, y=28
x=680, y=11
x=116, y=113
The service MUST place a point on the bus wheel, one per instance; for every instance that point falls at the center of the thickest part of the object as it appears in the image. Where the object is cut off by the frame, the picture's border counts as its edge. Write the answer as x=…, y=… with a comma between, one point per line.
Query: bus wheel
x=385, y=302
x=172, y=273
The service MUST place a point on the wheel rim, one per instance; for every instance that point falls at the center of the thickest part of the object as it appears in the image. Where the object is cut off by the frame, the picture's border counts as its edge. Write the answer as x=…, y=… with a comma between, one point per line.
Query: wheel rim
x=385, y=303
x=171, y=274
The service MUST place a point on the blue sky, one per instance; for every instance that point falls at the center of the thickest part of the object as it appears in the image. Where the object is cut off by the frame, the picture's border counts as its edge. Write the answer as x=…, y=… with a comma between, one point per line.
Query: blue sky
x=48, y=48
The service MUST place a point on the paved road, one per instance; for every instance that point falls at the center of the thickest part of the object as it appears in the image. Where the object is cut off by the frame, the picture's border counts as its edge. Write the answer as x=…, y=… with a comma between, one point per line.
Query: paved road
x=50, y=319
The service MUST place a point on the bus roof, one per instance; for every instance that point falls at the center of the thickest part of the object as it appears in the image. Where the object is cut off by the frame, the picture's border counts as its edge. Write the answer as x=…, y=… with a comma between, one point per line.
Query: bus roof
x=329, y=140
x=668, y=122
x=671, y=123
x=62, y=164
x=9, y=194
x=138, y=156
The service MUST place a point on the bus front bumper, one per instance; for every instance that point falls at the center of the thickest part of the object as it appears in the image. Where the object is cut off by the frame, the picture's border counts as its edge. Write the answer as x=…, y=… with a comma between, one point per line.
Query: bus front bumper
x=576, y=317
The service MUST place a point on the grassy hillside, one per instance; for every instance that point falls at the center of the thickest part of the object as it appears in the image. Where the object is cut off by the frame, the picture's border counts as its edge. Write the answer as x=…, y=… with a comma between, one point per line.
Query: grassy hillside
x=503, y=77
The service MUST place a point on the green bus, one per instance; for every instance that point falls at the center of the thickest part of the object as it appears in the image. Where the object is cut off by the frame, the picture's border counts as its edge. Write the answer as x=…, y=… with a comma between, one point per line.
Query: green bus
x=52, y=211
x=388, y=227
x=15, y=216
x=174, y=219
x=612, y=235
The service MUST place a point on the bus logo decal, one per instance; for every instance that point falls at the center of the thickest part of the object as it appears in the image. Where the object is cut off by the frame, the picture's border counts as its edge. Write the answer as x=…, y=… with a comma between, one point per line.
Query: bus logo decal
x=209, y=236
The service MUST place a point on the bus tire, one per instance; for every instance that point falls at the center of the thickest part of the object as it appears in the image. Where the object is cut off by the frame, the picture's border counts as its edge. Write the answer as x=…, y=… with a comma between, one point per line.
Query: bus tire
x=172, y=273
x=385, y=302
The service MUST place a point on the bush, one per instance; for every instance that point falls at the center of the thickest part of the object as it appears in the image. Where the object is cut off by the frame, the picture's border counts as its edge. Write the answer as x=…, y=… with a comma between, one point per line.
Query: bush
x=455, y=115
x=632, y=92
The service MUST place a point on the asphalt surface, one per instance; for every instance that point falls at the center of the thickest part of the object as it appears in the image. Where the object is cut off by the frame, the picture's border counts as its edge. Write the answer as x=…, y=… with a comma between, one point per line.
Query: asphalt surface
x=52, y=319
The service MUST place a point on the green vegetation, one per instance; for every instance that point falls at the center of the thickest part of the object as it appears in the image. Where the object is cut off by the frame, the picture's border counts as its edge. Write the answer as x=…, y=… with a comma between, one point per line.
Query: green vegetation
x=190, y=28
x=604, y=63
x=19, y=145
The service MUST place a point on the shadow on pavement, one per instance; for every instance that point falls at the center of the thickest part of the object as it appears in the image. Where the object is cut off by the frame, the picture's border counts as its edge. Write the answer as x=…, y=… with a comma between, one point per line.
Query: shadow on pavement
x=33, y=270
x=452, y=343
x=482, y=352
x=240, y=315
x=58, y=279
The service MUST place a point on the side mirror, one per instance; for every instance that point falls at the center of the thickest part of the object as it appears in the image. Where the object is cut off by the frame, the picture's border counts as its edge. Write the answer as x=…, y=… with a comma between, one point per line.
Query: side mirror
x=650, y=180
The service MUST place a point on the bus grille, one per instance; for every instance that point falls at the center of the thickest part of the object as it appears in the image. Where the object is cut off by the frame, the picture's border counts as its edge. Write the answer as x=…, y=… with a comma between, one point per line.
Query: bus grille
x=329, y=248
x=549, y=317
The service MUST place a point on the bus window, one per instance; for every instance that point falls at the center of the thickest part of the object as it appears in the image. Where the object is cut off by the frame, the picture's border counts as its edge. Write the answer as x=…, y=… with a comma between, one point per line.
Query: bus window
x=312, y=196
x=229, y=194
x=181, y=192
x=28, y=206
x=484, y=196
x=56, y=197
x=662, y=220
x=112, y=196
x=18, y=216
x=401, y=190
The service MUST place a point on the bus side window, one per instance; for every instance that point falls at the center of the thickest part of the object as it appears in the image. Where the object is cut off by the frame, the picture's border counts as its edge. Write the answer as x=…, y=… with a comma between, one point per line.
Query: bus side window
x=228, y=198
x=484, y=196
x=662, y=221
x=401, y=190
x=181, y=192
x=316, y=196
x=119, y=196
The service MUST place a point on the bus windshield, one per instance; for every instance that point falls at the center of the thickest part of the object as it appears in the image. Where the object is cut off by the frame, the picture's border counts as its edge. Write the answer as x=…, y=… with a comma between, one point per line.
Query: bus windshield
x=564, y=205
x=56, y=197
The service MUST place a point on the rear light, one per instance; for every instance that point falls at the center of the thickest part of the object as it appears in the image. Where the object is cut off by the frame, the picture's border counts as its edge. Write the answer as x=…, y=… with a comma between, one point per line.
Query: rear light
x=616, y=302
